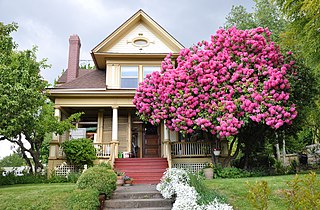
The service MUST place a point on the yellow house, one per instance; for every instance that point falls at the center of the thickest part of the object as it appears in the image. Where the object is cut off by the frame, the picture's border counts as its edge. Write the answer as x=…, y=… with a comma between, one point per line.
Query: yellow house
x=105, y=95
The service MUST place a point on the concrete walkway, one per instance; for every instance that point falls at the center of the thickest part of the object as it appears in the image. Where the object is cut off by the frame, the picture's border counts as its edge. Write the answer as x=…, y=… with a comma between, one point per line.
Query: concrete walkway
x=140, y=196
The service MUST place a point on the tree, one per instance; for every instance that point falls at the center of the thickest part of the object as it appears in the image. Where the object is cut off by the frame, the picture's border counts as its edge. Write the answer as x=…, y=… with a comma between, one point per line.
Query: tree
x=265, y=14
x=25, y=112
x=13, y=160
x=303, y=30
x=237, y=79
x=303, y=90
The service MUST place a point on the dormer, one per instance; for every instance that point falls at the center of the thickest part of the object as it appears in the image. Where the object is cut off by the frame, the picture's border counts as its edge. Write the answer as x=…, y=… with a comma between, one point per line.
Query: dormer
x=133, y=50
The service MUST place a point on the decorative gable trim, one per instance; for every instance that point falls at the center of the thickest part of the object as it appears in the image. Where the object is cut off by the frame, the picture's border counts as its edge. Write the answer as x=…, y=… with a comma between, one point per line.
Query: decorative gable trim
x=101, y=50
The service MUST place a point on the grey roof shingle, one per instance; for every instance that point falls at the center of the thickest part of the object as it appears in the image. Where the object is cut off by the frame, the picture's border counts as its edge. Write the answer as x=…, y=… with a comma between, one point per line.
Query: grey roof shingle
x=86, y=79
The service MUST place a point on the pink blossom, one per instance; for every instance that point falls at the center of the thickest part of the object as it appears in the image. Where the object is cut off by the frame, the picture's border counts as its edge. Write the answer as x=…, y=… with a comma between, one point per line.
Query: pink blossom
x=220, y=85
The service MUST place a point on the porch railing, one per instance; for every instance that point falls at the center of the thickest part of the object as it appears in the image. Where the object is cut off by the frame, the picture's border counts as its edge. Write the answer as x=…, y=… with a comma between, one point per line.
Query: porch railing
x=191, y=149
x=103, y=150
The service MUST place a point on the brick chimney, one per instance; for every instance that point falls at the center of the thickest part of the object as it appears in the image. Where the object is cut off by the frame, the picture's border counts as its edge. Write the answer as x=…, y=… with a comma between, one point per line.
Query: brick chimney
x=74, y=53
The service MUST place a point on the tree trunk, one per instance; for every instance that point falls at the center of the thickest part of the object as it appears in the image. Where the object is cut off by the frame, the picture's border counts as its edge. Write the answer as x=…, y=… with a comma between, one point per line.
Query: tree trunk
x=278, y=151
x=284, y=151
x=230, y=157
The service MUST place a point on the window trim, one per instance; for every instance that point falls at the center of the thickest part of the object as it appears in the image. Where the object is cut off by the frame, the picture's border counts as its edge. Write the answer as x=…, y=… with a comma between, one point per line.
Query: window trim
x=129, y=77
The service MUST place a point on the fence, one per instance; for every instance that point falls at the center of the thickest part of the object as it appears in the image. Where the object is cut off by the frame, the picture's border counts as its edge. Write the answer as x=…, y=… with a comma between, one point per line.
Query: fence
x=191, y=149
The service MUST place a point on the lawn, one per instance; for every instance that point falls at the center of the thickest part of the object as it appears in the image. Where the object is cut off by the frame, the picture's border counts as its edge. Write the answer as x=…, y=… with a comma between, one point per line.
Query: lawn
x=35, y=196
x=235, y=190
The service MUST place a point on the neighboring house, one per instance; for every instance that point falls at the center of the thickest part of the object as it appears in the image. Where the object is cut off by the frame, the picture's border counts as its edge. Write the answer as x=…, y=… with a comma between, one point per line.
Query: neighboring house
x=105, y=95
x=17, y=171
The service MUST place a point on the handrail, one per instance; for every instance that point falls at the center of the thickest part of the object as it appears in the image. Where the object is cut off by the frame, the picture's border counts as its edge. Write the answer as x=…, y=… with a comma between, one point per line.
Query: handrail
x=191, y=149
x=103, y=150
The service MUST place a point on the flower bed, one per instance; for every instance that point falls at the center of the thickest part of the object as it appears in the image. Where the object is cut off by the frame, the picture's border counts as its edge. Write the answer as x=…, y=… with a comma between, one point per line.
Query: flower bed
x=176, y=183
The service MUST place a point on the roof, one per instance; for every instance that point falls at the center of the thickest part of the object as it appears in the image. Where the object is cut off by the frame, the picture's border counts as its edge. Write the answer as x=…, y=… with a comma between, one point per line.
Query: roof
x=63, y=77
x=101, y=51
x=87, y=79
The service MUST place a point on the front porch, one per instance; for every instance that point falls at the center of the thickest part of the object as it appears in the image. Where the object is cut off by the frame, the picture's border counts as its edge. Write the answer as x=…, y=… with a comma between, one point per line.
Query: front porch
x=117, y=132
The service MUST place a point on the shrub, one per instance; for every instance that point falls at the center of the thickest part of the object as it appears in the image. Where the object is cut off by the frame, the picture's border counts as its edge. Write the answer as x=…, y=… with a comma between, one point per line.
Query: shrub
x=231, y=172
x=98, y=178
x=57, y=179
x=303, y=192
x=104, y=164
x=258, y=195
x=73, y=177
x=279, y=168
x=83, y=199
x=79, y=152
x=11, y=179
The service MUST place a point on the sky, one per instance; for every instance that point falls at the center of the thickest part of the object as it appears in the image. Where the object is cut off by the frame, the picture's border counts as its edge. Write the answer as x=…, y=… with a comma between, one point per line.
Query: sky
x=48, y=25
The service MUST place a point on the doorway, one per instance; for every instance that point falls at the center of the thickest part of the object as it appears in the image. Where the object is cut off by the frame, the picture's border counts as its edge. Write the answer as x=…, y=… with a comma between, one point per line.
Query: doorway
x=151, y=141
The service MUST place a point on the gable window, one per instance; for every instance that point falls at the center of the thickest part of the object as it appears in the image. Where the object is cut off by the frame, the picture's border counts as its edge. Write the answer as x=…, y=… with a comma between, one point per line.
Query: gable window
x=129, y=76
x=149, y=70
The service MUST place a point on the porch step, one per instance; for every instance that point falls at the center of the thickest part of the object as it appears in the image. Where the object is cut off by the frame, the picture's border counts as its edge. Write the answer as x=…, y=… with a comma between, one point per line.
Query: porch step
x=142, y=170
x=137, y=197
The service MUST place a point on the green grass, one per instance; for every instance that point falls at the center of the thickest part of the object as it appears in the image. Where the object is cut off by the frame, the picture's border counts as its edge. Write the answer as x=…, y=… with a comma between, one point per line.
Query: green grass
x=235, y=190
x=35, y=196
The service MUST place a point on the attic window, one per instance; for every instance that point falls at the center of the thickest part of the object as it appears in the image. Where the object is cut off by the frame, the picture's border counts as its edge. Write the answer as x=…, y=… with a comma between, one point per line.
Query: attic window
x=140, y=42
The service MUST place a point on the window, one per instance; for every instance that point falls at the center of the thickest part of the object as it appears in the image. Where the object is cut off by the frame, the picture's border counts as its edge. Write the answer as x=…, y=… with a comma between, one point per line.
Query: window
x=141, y=42
x=149, y=70
x=129, y=76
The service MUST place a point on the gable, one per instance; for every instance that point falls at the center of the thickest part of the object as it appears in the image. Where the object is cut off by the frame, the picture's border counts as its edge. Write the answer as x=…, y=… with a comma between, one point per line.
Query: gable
x=126, y=44
x=122, y=43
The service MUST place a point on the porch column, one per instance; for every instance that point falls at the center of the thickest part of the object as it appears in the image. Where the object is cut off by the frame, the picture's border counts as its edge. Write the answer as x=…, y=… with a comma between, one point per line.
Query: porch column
x=167, y=146
x=115, y=140
x=99, y=127
x=57, y=114
x=129, y=132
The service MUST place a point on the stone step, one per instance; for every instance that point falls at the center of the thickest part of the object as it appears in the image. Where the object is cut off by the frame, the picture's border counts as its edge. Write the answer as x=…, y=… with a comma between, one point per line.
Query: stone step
x=149, y=208
x=138, y=203
x=136, y=195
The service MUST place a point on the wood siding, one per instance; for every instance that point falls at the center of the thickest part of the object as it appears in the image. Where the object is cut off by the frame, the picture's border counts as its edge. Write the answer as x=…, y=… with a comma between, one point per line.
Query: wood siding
x=156, y=45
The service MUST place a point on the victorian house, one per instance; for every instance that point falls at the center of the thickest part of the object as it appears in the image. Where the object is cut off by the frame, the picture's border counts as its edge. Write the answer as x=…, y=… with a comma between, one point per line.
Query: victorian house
x=105, y=94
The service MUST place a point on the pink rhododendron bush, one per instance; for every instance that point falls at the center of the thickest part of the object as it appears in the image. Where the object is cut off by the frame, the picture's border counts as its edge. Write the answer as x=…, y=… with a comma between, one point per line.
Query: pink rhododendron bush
x=221, y=85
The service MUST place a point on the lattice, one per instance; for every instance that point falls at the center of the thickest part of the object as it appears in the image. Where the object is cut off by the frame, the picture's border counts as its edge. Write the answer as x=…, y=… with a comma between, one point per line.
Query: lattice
x=64, y=169
x=193, y=167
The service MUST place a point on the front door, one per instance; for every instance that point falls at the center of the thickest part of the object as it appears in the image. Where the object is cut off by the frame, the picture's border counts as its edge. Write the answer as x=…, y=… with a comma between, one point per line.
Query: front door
x=151, y=141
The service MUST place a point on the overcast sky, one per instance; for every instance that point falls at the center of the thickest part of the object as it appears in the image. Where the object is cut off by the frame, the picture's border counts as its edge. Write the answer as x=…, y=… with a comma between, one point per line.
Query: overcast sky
x=48, y=24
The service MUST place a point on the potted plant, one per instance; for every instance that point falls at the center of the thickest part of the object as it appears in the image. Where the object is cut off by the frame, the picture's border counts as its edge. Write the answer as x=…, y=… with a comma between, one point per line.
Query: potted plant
x=216, y=151
x=127, y=180
x=120, y=177
x=208, y=171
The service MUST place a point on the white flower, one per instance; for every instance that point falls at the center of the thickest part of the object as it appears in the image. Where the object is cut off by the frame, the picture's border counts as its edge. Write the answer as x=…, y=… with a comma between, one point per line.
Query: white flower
x=216, y=205
x=176, y=182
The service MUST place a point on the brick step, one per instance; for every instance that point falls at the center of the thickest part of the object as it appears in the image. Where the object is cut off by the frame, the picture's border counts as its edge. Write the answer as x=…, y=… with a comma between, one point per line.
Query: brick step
x=136, y=195
x=140, y=159
x=144, y=177
x=141, y=169
x=154, y=164
x=137, y=203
